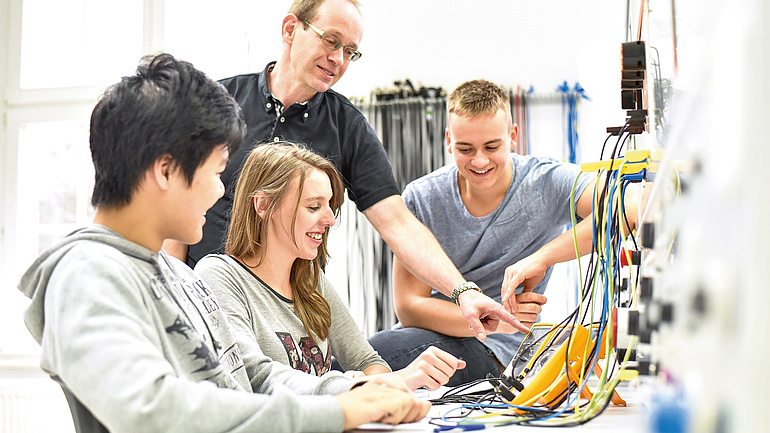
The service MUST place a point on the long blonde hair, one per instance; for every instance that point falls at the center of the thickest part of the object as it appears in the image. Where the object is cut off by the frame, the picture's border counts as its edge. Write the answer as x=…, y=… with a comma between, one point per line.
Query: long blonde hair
x=270, y=170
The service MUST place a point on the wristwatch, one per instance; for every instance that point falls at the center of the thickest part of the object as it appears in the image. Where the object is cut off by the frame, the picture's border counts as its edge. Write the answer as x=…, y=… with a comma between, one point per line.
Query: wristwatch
x=468, y=285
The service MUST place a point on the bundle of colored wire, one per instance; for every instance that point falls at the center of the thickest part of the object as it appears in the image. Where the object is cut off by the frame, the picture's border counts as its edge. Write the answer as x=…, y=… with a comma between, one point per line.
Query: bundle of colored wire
x=598, y=296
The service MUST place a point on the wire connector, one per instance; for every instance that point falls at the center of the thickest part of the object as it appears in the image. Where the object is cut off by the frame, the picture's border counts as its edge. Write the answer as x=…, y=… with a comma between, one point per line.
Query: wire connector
x=502, y=390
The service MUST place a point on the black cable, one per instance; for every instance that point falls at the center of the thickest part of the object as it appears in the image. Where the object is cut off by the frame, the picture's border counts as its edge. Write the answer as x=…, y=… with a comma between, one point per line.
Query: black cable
x=601, y=155
x=454, y=395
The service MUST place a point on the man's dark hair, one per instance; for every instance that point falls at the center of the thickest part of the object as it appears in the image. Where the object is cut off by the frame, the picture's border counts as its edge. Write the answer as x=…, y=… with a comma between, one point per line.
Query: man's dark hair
x=167, y=108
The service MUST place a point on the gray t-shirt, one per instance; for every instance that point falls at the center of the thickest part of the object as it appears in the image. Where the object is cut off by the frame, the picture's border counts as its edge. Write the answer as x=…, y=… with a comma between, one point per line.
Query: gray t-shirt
x=533, y=212
x=265, y=321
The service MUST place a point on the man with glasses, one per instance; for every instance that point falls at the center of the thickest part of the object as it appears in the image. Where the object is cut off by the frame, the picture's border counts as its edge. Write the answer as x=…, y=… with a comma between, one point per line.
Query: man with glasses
x=331, y=42
x=292, y=100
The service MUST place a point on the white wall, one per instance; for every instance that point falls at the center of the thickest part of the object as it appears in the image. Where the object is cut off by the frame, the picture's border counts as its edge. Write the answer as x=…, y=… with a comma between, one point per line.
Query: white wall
x=513, y=43
x=436, y=43
x=451, y=41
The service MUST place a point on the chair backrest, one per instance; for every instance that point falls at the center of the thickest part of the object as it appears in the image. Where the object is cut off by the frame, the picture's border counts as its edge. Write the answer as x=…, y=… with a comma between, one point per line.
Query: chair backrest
x=84, y=420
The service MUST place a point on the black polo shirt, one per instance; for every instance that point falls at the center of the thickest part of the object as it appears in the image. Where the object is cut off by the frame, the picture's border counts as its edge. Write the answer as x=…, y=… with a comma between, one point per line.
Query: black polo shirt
x=328, y=123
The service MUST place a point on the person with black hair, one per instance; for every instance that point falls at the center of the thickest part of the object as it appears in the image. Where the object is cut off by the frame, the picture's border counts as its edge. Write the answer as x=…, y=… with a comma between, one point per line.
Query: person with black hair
x=134, y=334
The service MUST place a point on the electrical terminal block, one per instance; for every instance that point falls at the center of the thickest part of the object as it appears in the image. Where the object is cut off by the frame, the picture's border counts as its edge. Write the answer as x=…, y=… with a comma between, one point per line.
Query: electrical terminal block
x=625, y=323
x=635, y=257
x=634, y=162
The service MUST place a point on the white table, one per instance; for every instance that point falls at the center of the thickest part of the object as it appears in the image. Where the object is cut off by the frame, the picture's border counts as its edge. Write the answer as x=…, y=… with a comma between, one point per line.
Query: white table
x=629, y=419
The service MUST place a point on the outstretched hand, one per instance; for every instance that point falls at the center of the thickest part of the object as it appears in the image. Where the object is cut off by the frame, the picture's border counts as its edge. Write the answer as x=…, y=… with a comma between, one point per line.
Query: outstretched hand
x=432, y=369
x=528, y=272
x=484, y=314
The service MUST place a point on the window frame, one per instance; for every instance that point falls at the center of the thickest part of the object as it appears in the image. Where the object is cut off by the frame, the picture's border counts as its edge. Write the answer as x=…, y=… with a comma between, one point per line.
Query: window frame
x=23, y=106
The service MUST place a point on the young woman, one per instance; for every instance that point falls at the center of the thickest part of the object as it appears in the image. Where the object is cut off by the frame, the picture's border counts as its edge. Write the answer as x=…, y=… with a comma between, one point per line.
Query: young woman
x=271, y=283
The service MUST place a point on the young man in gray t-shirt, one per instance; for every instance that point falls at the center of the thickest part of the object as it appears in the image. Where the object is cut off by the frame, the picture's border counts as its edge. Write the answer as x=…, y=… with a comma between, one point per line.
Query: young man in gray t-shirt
x=500, y=218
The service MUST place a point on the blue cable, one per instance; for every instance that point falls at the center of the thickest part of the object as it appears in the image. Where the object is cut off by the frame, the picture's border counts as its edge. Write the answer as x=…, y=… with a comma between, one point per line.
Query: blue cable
x=569, y=100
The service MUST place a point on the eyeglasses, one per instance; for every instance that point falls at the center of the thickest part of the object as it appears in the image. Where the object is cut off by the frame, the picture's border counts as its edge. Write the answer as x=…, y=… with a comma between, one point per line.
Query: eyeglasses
x=332, y=43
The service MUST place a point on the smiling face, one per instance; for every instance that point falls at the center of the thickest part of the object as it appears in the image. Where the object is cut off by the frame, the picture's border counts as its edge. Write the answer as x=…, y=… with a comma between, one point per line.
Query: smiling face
x=481, y=147
x=190, y=202
x=300, y=237
x=314, y=66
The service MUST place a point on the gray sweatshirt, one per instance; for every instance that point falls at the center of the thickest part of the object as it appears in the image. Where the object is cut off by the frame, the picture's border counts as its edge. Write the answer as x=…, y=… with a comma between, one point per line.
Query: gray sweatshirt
x=142, y=342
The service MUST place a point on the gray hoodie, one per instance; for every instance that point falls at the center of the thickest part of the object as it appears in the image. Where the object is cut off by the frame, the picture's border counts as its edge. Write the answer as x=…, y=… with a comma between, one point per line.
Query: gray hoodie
x=142, y=343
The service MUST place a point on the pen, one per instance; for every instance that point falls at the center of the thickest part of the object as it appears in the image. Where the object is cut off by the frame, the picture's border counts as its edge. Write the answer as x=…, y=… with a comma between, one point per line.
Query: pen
x=458, y=426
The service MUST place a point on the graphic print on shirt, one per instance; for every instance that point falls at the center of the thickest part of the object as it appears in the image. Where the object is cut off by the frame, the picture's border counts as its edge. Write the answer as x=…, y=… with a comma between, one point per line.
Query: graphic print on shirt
x=203, y=293
x=199, y=360
x=209, y=360
x=206, y=303
x=191, y=317
x=309, y=357
x=200, y=351
x=180, y=327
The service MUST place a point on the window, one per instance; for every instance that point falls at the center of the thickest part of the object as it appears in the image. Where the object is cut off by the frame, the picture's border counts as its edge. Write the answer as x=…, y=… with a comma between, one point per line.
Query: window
x=58, y=57
x=50, y=179
x=78, y=43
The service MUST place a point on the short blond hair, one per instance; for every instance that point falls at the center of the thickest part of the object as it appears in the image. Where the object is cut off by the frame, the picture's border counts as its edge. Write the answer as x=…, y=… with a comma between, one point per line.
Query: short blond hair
x=477, y=97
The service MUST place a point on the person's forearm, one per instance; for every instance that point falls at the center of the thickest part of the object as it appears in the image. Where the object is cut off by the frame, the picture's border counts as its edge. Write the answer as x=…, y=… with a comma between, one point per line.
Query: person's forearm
x=562, y=248
x=414, y=245
x=528, y=272
x=376, y=369
x=435, y=315
x=428, y=261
